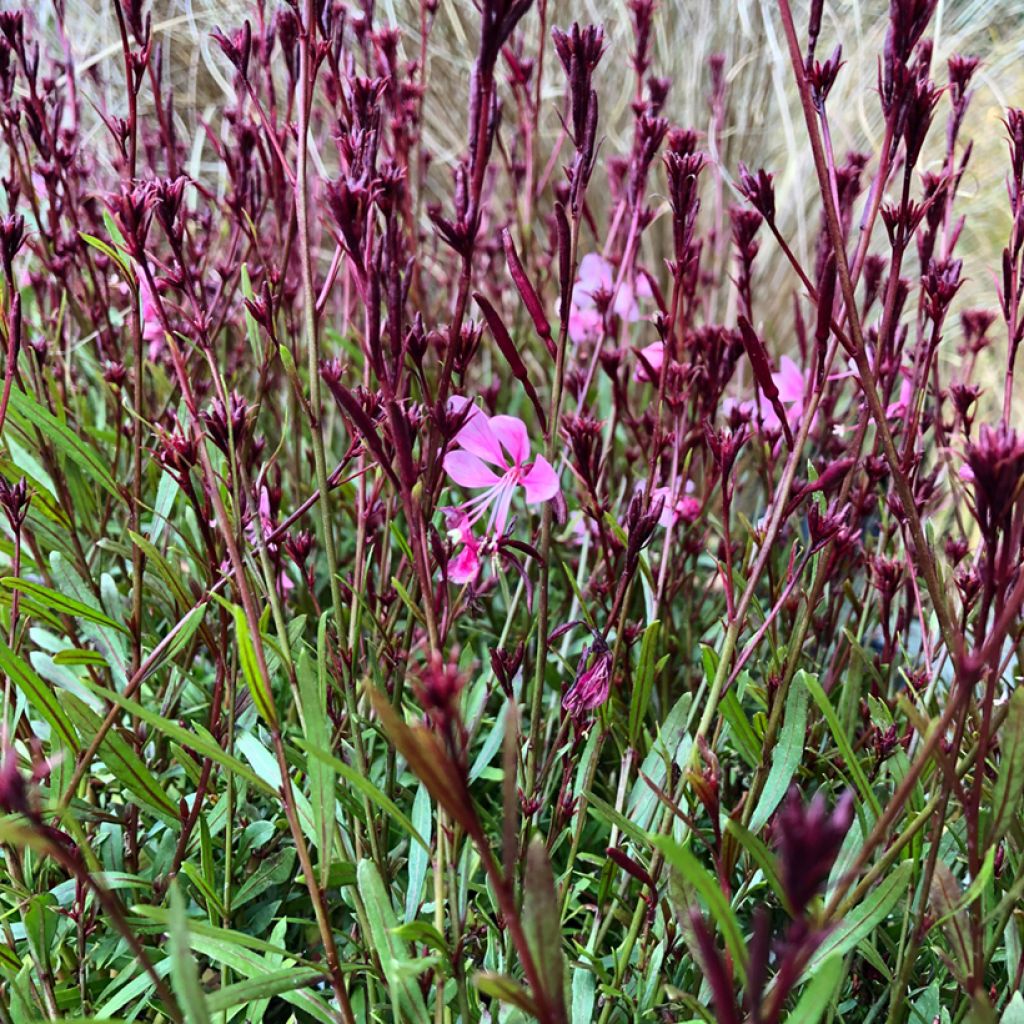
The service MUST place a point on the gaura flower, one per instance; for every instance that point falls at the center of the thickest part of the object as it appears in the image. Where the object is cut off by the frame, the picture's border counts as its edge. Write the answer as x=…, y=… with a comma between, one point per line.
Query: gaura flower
x=652, y=355
x=152, y=329
x=596, y=277
x=501, y=442
x=901, y=407
x=792, y=385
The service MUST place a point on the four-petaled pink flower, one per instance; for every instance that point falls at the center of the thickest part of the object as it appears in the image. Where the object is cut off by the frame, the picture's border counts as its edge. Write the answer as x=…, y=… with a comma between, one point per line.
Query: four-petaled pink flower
x=596, y=277
x=501, y=442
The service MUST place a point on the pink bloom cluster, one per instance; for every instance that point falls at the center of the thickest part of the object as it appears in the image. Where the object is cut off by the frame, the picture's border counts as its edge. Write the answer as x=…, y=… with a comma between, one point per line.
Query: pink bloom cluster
x=596, y=282
x=493, y=455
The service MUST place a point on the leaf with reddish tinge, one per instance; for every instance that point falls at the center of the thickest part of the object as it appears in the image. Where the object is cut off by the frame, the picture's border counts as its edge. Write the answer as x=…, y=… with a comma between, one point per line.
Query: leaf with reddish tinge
x=429, y=762
x=542, y=922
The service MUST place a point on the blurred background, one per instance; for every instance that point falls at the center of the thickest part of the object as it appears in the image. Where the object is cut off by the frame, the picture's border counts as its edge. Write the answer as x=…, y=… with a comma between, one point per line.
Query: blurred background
x=762, y=125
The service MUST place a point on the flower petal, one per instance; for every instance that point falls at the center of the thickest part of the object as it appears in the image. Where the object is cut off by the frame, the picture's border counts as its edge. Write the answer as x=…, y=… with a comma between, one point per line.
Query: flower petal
x=541, y=482
x=465, y=566
x=594, y=274
x=790, y=381
x=467, y=470
x=511, y=432
x=653, y=354
x=476, y=435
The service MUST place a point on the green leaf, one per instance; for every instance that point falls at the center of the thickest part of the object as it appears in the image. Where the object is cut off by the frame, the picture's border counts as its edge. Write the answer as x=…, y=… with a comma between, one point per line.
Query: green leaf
x=26, y=411
x=365, y=786
x=786, y=757
x=505, y=990
x=761, y=856
x=184, y=969
x=41, y=920
x=39, y=695
x=840, y=737
x=392, y=951
x=201, y=744
x=60, y=603
x=1014, y=1012
x=542, y=924
x=261, y=695
x=1009, y=785
x=860, y=922
x=643, y=681
x=815, y=998
x=707, y=887
x=176, y=641
x=124, y=764
x=271, y=984
x=224, y=938
x=312, y=683
x=747, y=744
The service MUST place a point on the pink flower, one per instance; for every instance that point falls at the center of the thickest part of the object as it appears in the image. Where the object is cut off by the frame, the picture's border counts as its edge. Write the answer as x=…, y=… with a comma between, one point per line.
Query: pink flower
x=465, y=566
x=900, y=408
x=652, y=355
x=501, y=442
x=685, y=507
x=792, y=385
x=152, y=329
x=596, y=276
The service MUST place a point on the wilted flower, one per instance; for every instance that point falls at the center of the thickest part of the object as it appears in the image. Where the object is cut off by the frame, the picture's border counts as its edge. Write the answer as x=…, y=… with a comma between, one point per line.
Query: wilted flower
x=593, y=680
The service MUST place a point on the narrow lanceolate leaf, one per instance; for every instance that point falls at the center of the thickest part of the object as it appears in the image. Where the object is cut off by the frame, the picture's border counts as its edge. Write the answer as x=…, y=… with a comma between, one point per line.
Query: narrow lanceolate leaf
x=853, y=765
x=947, y=905
x=1010, y=780
x=254, y=678
x=860, y=922
x=201, y=744
x=184, y=969
x=363, y=785
x=39, y=695
x=124, y=764
x=392, y=951
x=816, y=997
x=786, y=757
x=505, y=990
x=26, y=411
x=273, y=983
x=707, y=888
x=542, y=923
x=644, y=681
x=60, y=603
x=312, y=680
